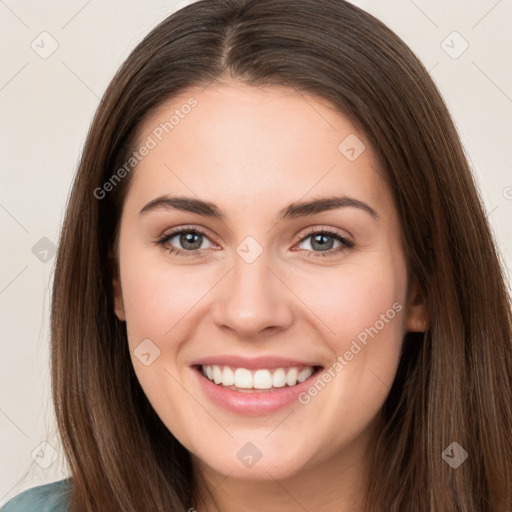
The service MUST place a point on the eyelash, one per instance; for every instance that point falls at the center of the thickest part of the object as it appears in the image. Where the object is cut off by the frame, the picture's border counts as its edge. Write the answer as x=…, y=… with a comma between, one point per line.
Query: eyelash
x=347, y=244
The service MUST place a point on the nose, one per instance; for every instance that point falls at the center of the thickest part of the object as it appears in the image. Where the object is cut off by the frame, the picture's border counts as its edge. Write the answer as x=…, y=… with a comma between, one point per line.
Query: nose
x=253, y=299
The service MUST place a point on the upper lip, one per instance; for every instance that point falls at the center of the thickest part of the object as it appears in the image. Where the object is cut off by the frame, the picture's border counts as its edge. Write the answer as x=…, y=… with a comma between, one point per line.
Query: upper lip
x=252, y=363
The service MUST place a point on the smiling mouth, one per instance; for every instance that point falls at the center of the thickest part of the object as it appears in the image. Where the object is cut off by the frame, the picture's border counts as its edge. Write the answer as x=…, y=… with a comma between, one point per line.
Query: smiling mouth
x=257, y=381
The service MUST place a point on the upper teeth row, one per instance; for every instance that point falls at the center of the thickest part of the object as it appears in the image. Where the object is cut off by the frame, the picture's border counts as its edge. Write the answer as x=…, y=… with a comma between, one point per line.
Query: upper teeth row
x=258, y=379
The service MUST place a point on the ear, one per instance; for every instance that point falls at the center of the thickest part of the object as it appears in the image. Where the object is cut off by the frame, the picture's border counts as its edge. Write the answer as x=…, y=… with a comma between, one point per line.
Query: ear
x=116, y=286
x=417, y=317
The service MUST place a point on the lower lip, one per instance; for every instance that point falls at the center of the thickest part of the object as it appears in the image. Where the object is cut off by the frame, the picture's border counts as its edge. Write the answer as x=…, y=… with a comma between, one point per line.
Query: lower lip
x=251, y=404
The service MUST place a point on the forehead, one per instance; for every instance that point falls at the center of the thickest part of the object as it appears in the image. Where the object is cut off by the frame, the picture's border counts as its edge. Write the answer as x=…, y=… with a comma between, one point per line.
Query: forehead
x=235, y=143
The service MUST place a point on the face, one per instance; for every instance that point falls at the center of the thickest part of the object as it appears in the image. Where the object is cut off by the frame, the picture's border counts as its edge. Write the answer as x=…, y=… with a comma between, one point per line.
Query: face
x=300, y=310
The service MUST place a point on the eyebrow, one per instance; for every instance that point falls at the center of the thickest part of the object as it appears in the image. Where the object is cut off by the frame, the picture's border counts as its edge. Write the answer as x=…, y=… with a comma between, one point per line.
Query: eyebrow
x=292, y=211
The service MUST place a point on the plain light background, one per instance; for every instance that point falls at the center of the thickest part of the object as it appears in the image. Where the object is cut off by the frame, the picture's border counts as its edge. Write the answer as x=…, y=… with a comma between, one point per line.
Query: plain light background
x=47, y=103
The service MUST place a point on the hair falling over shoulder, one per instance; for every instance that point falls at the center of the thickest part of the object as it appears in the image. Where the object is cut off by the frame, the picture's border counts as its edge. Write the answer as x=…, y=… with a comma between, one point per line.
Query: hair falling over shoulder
x=454, y=382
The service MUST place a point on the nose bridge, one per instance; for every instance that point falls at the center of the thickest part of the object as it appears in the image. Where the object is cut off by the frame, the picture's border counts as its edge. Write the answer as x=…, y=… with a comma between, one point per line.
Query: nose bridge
x=252, y=297
x=251, y=272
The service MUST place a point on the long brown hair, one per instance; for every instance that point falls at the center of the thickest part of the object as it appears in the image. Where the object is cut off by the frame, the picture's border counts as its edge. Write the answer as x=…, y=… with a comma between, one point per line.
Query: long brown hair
x=454, y=380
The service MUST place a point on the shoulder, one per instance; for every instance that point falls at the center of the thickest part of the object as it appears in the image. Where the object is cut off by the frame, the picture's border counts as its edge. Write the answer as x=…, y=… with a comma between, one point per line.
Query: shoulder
x=44, y=498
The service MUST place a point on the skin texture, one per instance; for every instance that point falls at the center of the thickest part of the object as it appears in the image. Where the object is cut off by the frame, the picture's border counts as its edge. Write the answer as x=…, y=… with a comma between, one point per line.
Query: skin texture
x=253, y=151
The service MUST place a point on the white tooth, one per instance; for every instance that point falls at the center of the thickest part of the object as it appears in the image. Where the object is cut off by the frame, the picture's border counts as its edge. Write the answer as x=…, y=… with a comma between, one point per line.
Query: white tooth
x=305, y=374
x=217, y=374
x=228, y=377
x=279, y=378
x=243, y=378
x=291, y=376
x=258, y=379
x=262, y=379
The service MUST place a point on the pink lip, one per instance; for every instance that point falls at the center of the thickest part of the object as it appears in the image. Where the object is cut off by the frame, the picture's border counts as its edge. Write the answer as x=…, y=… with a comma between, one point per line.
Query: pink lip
x=252, y=363
x=247, y=403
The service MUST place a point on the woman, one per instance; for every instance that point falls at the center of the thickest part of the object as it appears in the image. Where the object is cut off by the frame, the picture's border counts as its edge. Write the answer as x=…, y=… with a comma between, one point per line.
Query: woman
x=336, y=336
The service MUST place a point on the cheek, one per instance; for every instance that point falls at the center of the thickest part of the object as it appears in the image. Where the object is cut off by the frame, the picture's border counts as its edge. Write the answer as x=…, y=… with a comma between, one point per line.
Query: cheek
x=158, y=302
x=157, y=297
x=353, y=299
x=362, y=313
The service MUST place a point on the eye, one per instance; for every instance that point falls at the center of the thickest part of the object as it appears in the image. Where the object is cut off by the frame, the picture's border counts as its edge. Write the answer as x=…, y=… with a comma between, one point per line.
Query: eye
x=322, y=241
x=191, y=239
